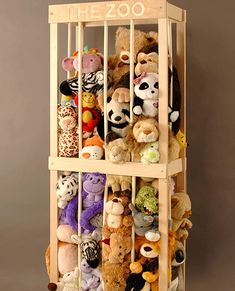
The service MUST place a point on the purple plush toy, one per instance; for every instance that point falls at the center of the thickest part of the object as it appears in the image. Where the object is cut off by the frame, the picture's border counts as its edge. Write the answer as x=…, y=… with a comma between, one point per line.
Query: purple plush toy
x=92, y=197
x=69, y=214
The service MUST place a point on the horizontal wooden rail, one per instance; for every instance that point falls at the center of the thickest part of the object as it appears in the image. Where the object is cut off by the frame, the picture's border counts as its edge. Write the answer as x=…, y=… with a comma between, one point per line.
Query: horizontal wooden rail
x=107, y=167
x=115, y=11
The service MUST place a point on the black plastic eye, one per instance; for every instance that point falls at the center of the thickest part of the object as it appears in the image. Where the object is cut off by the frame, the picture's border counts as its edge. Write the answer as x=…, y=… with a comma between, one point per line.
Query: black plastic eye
x=156, y=85
x=98, y=180
x=144, y=86
x=179, y=256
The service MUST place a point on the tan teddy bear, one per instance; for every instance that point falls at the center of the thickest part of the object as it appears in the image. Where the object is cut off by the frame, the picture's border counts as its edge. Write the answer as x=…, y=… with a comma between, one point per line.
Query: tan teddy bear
x=119, y=183
x=118, y=248
x=181, y=212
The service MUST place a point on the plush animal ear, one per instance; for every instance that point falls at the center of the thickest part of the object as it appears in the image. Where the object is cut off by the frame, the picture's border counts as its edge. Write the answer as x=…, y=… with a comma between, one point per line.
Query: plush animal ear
x=174, y=201
x=67, y=64
x=111, y=136
x=84, y=176
x=75, y=63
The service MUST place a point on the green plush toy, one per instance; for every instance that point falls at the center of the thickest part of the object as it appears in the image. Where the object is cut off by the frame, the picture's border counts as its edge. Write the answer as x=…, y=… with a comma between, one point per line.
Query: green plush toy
x=146, y=200
x=150, y=153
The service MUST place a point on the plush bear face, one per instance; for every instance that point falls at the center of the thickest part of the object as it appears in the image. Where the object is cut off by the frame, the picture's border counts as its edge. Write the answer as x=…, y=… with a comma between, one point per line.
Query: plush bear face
x=120, y=246
x=67, y=117
x=114, y=207
x=146, y=63
x=147, y=86
x=146, y=200
x=66, y=189
x=94, y=183
x=118, y=113
x=141, y=39
x=146, y=130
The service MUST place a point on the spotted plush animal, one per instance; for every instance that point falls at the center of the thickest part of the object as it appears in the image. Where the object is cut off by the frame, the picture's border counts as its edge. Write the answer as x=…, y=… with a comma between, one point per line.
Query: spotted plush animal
x=68, y=133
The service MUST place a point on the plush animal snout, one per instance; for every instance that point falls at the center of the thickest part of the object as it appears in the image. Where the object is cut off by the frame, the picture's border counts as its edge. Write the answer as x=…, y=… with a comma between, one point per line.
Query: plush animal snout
x=115, y=200
x=86, y=155
x=143, y=62
x=147, y=249
x=125, y=57
x=67, y=122
x=147, y=131
x=117, y=118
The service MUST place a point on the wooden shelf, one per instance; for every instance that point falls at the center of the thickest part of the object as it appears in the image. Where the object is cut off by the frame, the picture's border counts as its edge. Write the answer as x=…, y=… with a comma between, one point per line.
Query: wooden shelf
x=107, y=167
x=119, y=12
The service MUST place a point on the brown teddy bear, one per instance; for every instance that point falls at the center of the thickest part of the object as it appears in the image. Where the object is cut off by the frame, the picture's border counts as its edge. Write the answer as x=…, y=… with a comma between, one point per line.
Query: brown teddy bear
x=117, y=248
x=181, y=212
x=119, y=64
x=114, y=276
x=119, y=183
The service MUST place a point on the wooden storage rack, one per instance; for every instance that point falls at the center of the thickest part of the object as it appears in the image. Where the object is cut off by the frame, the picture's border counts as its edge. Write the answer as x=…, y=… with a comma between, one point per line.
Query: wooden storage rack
x=107, y=14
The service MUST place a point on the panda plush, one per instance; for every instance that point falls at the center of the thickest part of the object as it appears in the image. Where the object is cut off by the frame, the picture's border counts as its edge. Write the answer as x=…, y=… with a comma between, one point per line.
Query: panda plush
x=118, y=114
x=146, y=95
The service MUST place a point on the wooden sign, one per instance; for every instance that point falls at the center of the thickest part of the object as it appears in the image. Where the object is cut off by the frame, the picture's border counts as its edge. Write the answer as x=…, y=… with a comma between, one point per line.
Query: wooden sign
x=113, y=10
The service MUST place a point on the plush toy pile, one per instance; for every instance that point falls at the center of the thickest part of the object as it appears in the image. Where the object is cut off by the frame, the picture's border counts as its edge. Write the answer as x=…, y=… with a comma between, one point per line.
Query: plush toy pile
x=106, y=240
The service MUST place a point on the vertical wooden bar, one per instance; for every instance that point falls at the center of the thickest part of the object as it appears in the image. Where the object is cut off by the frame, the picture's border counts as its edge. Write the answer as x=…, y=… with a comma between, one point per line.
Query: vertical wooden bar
x=181, y=181
x=69, y=49
x=53, y=151
x=80, y=137
x=133, y=187
x=106, y=40
x=163, y=146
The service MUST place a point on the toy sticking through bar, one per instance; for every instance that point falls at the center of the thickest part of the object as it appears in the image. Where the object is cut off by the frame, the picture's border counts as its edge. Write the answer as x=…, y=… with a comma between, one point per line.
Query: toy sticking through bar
x=120, y=213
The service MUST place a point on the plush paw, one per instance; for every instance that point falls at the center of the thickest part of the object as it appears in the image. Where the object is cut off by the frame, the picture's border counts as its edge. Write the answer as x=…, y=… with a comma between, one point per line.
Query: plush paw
x=153, y=235
x=75, y=239
x=174, y=116
x=137, y=110
x=136, y=267
x=121, y=95
x=149, y=277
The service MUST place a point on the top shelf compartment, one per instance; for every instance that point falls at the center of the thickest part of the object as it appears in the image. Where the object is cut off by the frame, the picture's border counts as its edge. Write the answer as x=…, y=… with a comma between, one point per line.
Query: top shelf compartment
x=116, y=12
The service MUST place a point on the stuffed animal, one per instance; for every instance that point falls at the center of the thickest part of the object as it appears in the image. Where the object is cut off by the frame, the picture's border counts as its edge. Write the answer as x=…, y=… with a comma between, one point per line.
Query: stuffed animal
x=135, y=282
x=142, y=222
x=92, y=199
x=90, y=249
x=91, y=82
x=178, y=259
x=114, y=276
x=181, y=212
x=118, y=114
x=147, y=60
x=91, y=61
x=181, y=138
x=117, y=150
x=146, y=200
x=68, y=215
x=67, y=99
x=69, y=282
x=117, y=248
x=93, y=148
x=119, y=183
x=146, y=95
x=148, y=262
x=91, y=278
x=150, y=153
x=119, y=64
x=146, y=130
x=68, y=136
x=92, y=188
x=66, y=189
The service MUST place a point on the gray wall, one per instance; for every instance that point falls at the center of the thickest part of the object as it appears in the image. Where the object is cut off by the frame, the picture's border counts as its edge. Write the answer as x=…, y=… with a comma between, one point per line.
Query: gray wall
x=24, y=143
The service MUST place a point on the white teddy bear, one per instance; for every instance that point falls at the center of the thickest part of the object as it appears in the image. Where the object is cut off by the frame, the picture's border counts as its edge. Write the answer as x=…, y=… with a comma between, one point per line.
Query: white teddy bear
x=115, y=209
x=69, y=282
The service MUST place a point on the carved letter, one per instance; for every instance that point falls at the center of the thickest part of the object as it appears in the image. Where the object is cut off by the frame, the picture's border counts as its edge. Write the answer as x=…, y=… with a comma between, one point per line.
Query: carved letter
x=83, y=14
x=110, y=10
x=138, y=9
x=123, y=10
x=95, y=11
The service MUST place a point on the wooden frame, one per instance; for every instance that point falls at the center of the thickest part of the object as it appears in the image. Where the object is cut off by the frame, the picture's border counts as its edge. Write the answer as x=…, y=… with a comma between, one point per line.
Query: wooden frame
x=107, y=14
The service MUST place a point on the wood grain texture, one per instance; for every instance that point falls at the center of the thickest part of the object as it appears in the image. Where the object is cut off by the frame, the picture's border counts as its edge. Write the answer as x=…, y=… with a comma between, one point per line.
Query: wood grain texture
x=111, y=11
x=163, y=146
x=53, y=150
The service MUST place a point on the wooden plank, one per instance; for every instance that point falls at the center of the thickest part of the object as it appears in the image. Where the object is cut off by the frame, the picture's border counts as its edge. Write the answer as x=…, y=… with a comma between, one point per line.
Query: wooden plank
x=69, y=48
x=163, y=146
x=110, y=10
x=53, y=151
x=175, y=167
x=174, y=12
x=107, y=167
x=181, y=182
